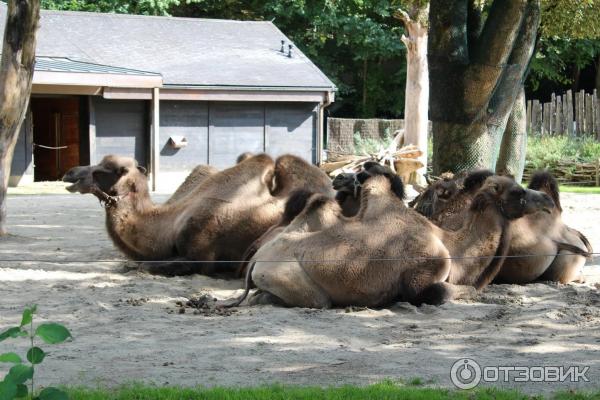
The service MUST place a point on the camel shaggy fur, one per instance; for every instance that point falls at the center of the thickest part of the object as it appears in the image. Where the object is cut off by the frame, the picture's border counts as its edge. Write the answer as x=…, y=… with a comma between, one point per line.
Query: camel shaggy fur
x=324, y=259
x=552, y=250
x=215, y=222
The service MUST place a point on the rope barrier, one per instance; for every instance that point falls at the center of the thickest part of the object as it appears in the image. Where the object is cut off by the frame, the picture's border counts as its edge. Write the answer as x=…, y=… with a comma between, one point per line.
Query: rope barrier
x=593, y=255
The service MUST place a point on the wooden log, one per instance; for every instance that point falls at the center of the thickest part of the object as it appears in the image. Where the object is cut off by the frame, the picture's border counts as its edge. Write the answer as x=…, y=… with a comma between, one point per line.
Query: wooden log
x=569, y=118
x=528, y=116
x=587, y=117
x=551, y=111
x=536, y=118
x=558, y=128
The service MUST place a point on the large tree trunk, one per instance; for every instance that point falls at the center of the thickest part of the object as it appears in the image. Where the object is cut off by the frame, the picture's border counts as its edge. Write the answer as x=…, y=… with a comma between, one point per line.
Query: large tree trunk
x=514, y=141
x=477, y=72
x=16, y=73
x=416, y=99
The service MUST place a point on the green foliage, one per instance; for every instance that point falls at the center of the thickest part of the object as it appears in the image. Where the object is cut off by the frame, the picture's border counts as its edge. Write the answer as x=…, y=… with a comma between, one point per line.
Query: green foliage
x=555, y=57
x=14, y=383
x=368, y=146
x=144, y=7
x=547, y=151
x=574, y=19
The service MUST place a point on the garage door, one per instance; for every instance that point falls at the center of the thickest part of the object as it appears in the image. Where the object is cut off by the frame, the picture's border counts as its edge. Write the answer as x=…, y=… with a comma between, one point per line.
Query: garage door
x=234, y=128
x=291, y=129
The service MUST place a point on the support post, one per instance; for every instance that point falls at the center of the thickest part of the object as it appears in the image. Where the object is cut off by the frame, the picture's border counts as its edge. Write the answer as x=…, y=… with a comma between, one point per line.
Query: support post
x=155, y=141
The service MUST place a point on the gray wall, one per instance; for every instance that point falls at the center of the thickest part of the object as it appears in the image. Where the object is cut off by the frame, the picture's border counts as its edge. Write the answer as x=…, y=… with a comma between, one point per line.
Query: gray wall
x=122, y=127
x=190, y=120
x=217, y=132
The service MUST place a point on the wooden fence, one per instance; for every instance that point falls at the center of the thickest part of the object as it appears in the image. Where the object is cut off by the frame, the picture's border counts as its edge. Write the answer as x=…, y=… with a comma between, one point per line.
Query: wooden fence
x=577, y=115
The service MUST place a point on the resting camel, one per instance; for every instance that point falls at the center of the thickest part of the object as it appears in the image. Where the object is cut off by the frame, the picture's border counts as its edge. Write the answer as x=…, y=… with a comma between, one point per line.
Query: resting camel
x=388, y=252
x=560, y=248
x=197, y=176
x=215, y=222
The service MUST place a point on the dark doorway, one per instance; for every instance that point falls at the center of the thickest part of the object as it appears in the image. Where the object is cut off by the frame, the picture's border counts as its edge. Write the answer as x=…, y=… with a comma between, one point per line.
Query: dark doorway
x=55, y=136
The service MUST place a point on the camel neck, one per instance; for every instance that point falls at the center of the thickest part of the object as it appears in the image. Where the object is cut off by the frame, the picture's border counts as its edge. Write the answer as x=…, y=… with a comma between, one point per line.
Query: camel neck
x=140, y=228
x=477, y=245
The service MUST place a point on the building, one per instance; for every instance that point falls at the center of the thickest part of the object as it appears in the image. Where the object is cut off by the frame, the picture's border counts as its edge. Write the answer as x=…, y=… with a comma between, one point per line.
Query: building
x=171, y=92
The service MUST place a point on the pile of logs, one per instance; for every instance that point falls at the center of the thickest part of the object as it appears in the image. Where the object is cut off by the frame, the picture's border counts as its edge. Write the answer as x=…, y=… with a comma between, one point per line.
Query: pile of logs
x=403, y=161
x=571, y=172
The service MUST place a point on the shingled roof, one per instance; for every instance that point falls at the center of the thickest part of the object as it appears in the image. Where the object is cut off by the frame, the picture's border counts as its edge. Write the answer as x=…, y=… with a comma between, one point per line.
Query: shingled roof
x=185, y=51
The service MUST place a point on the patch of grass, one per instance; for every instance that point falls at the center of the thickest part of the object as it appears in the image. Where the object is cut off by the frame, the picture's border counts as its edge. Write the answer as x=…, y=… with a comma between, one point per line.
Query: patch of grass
x=384, y=390
x=580, y=189
x=547, y=151
x=367, y=146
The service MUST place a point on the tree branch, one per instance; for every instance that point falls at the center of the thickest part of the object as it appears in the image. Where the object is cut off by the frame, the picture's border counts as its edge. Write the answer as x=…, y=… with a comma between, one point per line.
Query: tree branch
x=499, y=32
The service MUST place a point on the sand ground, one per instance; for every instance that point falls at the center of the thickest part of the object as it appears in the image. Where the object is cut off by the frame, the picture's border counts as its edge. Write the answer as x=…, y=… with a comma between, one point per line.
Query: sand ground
x=127, y=326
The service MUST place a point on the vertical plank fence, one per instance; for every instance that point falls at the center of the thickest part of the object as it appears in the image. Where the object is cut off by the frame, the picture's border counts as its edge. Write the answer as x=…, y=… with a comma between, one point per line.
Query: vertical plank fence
x=573, y=114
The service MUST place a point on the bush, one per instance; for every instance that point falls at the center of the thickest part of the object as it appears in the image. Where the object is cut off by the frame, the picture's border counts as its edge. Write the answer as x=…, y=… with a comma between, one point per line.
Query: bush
x=548, y=151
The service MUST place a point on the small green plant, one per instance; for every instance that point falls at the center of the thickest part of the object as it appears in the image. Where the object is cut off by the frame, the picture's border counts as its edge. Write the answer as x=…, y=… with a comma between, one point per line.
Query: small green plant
x=14, y=384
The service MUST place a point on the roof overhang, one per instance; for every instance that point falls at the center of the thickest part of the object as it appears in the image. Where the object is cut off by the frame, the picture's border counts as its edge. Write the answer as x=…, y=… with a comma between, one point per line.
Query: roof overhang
x=311, y=95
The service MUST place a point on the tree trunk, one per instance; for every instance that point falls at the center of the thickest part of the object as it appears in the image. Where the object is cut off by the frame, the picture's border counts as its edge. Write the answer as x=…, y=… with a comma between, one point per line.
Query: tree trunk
x=16, y=73
x=514, y=141
x=416, y=99
x=476, y=75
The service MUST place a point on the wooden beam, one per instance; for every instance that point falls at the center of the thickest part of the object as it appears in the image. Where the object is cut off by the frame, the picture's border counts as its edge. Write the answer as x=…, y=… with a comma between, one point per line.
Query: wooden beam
x=218, y=95
x=92, y=130
x=155, y=141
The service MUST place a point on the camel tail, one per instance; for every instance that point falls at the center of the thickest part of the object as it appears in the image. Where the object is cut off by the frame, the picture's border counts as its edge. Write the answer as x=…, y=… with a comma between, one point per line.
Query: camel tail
x=573, y=249
x=544, y=181
x=236, y=302
x=585, y=241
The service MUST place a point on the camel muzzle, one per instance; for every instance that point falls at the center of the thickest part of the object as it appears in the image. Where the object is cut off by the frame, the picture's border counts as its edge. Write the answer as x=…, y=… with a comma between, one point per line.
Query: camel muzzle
x=80, y=177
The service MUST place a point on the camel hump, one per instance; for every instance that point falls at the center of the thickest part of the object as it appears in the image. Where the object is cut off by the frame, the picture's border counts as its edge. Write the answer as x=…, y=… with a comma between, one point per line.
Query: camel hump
x=295, y=204
x=544, y=181
x=375, y=169
x=474, y=180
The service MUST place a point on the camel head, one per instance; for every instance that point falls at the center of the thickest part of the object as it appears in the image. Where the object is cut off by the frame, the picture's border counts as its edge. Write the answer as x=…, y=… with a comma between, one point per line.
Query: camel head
x=114, y=176
x=511, y=199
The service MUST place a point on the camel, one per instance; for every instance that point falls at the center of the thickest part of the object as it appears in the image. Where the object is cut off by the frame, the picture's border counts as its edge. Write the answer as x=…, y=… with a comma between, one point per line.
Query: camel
x=388, y=252
x=214, y=223
x=348, y=187
x=560, y=248
x=438, y=194
x=197, y=176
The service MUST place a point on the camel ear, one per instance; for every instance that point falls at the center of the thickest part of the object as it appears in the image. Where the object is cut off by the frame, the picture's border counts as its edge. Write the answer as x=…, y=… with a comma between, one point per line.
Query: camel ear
x=142, y=169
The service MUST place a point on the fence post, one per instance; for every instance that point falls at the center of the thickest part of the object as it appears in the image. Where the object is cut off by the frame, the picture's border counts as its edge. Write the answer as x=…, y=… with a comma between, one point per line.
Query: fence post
x=569, y=118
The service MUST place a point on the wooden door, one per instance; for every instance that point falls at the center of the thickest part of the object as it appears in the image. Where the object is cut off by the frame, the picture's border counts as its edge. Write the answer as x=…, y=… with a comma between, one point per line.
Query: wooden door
x=56, y=136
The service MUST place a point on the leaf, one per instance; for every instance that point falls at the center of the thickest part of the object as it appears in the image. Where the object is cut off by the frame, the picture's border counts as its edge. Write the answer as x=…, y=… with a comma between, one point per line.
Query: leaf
x=35, y=355
x=28, y=315
x=8, y=390
x=10, y=358
x=51, y=393
x=52, y=333
x=19, y=373
x=21, y=391
x=10, y=333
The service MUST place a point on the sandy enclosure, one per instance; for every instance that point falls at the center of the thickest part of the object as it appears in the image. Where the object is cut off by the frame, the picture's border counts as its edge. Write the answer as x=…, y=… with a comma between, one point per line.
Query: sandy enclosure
x=127, y=326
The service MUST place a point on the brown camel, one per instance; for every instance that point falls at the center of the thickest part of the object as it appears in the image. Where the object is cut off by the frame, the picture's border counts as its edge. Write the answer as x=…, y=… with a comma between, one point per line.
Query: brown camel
x=560, y=248
x=214, y=223
x=388, y=252
x=198, y=175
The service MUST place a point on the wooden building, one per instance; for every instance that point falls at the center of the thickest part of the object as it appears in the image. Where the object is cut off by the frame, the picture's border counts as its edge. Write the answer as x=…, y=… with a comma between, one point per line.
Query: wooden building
x=171, y=92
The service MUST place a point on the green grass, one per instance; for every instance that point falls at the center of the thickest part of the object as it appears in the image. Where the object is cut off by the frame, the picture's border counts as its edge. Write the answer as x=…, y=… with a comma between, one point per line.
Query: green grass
x=580, y=189
x=385, y=390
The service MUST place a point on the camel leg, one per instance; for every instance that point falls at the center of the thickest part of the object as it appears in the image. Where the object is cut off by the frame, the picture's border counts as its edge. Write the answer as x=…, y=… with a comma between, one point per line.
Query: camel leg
x=289, y=282
x=169, y=267
x=566, y=267
x=425, y=284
